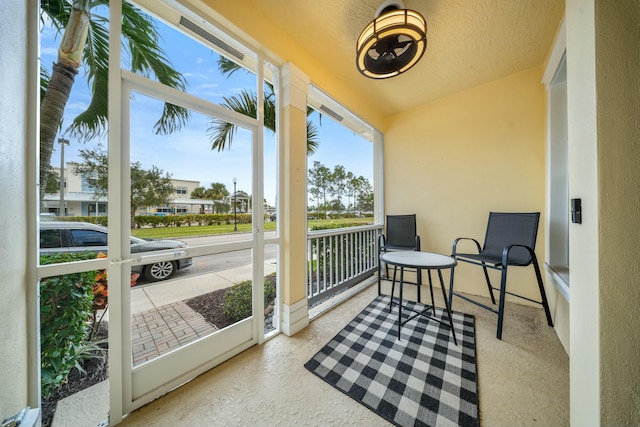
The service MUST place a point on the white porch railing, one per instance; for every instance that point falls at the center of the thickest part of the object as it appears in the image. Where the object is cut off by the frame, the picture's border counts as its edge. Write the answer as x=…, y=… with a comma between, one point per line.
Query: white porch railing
x=339, y=258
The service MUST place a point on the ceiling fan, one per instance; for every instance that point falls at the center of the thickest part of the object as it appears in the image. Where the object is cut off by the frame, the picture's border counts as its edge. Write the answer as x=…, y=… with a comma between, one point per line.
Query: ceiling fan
x=392, y=43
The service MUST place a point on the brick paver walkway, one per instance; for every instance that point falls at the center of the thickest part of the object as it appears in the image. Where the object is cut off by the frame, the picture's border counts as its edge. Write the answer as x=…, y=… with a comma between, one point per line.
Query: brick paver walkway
x=160, y=330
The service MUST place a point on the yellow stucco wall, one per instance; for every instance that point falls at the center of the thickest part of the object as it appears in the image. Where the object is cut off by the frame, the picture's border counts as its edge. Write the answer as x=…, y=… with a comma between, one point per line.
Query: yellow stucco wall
x=618, y=132
x=455, y=160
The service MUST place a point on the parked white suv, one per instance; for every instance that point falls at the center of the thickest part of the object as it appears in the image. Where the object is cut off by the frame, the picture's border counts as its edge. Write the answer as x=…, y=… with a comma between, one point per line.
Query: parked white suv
x=61, y=236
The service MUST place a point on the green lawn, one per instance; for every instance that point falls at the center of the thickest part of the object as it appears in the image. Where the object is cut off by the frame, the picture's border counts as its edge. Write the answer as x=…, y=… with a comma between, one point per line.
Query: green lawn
x=206, y=230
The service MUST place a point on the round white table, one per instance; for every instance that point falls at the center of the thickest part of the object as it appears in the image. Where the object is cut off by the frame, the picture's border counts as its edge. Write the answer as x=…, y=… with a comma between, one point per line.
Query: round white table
x=420, y=261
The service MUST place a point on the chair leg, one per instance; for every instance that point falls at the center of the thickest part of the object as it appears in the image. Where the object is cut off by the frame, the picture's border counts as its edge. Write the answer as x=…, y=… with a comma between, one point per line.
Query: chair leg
x=503, y=292
x=543, y=294
x=433, y=304
x=419, y=282
x=400, y=301
x=486, y=276
x=379, y=273
x=447, y=308
x=393, y=286
x=451, y=288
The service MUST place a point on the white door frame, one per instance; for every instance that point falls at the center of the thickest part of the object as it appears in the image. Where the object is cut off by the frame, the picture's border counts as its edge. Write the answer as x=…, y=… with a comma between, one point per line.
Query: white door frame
x=130, y=387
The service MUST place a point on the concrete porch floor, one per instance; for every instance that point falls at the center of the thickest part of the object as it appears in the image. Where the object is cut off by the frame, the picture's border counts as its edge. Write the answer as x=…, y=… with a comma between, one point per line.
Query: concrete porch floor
x=523, y=380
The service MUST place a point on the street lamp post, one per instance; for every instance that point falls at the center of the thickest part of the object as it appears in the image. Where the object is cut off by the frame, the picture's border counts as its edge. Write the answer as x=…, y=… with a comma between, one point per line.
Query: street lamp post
x=235, y=222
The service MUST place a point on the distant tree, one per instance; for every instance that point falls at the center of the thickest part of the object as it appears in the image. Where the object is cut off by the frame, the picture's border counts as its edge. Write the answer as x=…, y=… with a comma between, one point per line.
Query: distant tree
x=94, y=169
x=319, y=183
x=364, y=191
x=338, y=183
x=149, y=187
x=221, y=207
x=350, y=185
x=198, y=193
x=217, y=191
x=336, y=205
x=53, y=182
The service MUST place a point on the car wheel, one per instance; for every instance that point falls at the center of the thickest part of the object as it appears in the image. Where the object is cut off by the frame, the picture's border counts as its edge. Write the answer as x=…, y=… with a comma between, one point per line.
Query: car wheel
x=160, y=271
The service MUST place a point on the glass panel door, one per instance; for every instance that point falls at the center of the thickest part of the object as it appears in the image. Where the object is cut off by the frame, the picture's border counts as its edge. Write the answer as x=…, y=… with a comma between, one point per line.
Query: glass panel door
x=194, y=250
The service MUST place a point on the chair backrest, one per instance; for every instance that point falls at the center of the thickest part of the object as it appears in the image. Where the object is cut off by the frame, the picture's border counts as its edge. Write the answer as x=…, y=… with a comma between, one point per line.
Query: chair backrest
x=401, y=231
x=506, y=229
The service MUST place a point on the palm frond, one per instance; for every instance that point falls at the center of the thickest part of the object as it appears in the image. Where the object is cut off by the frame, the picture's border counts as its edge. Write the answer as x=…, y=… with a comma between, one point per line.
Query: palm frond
x=56, y=12
x=148, y=58
x=312, y=138
x=92, y=122
x=220, y=132
x=141, y=41
x=44, y=82
x=227, y=67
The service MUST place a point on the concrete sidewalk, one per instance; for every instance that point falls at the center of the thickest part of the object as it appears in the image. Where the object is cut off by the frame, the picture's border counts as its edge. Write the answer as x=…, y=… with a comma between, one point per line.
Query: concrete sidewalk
x=155, y=295
x=158, y=294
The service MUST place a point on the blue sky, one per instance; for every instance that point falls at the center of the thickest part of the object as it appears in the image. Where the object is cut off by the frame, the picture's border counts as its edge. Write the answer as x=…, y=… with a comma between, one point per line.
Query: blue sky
x=187, y=154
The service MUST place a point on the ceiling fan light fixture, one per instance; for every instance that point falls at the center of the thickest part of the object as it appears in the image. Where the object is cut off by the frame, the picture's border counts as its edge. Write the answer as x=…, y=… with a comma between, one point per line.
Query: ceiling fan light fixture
x=392, y=43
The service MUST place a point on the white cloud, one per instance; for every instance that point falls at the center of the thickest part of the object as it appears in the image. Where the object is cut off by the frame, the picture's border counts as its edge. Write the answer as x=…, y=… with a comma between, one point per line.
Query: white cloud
x=49, y=51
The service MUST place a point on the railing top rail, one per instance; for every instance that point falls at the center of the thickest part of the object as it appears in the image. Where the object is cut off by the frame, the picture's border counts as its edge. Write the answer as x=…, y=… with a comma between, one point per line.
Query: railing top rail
x=346, y=230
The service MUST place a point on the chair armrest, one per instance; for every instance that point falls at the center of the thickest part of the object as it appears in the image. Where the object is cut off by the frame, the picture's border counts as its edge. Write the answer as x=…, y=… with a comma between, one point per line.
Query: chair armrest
x=455, y=244
x=507, y=249
x=418, y=243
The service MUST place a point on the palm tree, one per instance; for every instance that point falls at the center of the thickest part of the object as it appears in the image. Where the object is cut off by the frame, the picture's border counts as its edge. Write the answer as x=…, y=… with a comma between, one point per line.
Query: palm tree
x=217, y=191
x=222, y=133
x=85, y=41
x=198, y=193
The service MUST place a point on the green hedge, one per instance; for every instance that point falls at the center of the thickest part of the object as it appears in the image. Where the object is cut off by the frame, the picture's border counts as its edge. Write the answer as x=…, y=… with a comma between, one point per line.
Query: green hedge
x=169, y=220
x=100, y=220
x=189, y=219
x=236, y=303
x=330, y=226
x=65, y=308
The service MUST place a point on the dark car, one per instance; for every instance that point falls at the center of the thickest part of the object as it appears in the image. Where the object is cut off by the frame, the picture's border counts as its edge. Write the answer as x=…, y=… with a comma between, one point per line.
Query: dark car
x=83, y=236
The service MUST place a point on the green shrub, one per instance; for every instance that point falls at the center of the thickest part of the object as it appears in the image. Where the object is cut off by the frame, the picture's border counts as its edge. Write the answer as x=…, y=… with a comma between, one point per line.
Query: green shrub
x=236, y=303
x=99, y=220
x=65, y=308
x=332, y=225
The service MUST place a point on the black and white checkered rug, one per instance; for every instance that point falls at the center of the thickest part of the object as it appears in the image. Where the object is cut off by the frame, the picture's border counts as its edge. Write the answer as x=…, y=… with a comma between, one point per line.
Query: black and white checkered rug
x=423, y=379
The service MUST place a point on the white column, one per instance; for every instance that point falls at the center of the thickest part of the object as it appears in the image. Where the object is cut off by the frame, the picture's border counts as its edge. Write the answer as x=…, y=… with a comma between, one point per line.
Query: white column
x=293, y=196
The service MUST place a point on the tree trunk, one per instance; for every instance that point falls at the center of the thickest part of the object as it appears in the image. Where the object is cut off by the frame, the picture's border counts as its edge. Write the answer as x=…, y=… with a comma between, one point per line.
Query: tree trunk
x=59, y=88
x=51, y=111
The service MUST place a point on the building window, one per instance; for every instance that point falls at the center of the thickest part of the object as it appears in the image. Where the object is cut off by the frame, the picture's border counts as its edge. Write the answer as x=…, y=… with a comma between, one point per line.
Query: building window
x=558, y=180
x=181, y=190
x=89, y=183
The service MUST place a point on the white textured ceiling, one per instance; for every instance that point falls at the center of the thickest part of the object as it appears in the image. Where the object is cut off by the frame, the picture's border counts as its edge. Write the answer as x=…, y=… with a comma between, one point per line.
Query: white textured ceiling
x=469, y=42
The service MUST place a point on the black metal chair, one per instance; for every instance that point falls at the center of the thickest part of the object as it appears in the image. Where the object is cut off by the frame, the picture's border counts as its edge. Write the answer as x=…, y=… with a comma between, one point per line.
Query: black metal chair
x=401, y=236
x=510, y=240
